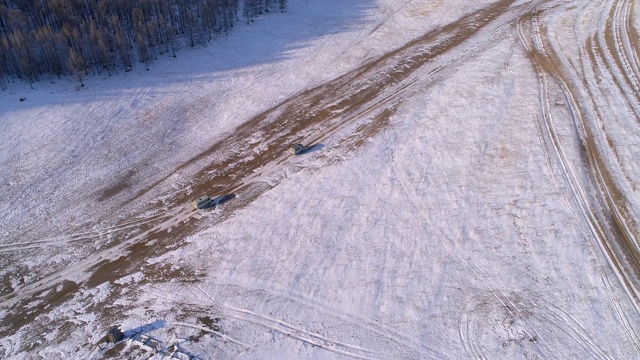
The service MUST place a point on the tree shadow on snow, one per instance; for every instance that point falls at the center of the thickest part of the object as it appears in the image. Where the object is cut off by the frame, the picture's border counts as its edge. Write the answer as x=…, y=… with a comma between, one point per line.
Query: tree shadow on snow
x=271, y=38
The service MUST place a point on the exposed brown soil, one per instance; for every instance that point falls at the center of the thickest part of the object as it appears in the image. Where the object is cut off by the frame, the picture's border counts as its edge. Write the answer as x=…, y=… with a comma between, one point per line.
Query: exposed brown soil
x=22, y=315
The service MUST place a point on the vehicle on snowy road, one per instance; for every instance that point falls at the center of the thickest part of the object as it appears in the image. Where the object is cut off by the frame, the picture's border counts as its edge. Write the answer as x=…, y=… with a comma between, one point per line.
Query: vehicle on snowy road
x=202, y=202
x=297, y=149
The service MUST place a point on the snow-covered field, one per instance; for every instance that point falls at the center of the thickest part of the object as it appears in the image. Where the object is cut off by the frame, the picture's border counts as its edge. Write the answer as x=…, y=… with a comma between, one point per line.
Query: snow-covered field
x=471, y=190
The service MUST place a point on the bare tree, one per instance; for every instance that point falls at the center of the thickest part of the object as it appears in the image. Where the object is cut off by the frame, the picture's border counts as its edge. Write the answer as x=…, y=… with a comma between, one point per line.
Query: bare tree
x=77, y=65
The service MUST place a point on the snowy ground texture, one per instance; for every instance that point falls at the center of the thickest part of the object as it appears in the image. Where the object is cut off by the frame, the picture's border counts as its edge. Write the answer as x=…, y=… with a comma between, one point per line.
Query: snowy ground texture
x=471, y=190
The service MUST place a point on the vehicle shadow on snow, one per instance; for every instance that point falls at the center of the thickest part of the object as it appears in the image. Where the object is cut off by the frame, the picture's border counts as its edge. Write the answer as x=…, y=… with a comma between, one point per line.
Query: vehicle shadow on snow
x=158, y=324
x=312, y=148
x=223, y=199
x=217, y=201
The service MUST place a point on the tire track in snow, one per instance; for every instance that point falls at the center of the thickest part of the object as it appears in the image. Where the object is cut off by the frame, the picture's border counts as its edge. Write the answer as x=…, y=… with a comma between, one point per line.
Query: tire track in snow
x=571, y=327
x=216, y=333
x=611, y=55
x=468, y=334
x=302, y=334
x=621, y=315
x=79, y=269
x=479, y=309
x=534, y=115
x=204, y=310
x=616, y=47
x=588, y=210
x=381, y=332
x=595, y=61
x=535, y=314
x=469, y=340
x=282, y=327
x=623, y=260
x=85, y=236
x=539, y=314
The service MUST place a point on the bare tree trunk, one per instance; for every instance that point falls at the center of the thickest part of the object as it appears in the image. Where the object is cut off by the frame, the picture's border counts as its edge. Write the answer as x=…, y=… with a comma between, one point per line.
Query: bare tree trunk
x=77, y=65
